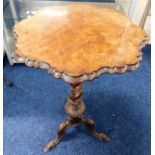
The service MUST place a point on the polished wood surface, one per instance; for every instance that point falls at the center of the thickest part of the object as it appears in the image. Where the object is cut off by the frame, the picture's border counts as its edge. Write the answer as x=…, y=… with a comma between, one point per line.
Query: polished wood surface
x=78, y=39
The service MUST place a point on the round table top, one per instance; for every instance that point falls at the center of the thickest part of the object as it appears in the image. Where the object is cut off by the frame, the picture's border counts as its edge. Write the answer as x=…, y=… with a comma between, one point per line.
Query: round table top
x=79, y=39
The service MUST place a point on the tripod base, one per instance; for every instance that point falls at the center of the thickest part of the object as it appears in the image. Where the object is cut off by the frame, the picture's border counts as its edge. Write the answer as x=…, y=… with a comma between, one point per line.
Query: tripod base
x=75, y=109
x=89, y=125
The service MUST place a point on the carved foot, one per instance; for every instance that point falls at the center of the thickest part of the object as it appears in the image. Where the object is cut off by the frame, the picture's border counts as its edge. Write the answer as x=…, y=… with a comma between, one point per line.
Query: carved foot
x=90, y=127
x=61, y=132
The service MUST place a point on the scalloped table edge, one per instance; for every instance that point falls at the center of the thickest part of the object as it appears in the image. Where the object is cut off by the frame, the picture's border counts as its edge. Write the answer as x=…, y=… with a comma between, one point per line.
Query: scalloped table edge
x=83, y=77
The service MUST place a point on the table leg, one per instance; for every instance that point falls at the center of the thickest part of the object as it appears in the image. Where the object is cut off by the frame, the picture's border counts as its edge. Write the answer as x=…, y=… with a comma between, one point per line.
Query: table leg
x=90, y=127
x=60, y=134
x=75, y=109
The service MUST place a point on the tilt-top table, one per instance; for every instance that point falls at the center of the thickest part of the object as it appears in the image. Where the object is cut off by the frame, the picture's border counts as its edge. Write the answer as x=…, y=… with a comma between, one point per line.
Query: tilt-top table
x=78, y=43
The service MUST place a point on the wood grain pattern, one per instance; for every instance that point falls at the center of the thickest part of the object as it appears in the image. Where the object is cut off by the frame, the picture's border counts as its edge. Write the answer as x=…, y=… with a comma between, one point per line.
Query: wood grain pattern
x=79, y=39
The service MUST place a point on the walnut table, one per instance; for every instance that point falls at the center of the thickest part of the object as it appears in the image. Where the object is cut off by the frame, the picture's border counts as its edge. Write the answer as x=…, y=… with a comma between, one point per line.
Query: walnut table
x=78, y=43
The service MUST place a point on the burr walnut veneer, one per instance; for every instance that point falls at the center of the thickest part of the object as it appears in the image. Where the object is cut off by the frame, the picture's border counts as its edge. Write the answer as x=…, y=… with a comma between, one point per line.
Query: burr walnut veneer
x=77, y=43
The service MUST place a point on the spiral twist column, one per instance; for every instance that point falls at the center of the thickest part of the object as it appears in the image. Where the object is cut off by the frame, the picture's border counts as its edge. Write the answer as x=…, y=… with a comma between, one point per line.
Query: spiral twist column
x=75, y=107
